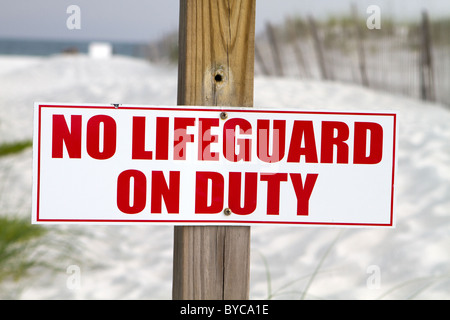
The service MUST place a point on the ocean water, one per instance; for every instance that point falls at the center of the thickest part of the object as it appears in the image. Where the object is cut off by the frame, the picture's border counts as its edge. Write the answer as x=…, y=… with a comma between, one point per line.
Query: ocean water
x=50, y=47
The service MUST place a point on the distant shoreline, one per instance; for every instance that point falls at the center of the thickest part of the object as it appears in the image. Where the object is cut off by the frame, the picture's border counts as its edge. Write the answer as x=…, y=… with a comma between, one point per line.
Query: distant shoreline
x=31, y=47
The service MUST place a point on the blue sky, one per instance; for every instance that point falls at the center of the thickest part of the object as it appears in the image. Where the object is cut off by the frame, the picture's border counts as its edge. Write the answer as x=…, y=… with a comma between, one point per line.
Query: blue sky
x=144, y=20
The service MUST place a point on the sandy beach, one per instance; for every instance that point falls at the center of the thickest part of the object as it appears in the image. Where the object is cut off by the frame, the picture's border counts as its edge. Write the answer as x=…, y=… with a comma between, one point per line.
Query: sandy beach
x=135, y=262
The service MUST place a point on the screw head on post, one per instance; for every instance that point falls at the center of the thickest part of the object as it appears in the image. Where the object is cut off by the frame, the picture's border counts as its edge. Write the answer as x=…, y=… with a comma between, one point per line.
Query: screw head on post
x=223, y=115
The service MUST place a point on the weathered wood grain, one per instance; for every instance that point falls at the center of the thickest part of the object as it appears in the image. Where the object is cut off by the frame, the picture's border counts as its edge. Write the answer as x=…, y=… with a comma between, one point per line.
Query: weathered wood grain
x=216, y=68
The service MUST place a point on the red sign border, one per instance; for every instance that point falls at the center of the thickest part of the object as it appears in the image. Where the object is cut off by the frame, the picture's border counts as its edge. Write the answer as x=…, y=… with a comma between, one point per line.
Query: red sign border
x=213, y=222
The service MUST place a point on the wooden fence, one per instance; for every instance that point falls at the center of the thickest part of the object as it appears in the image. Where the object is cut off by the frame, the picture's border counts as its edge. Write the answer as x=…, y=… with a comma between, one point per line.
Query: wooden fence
x=411, y=59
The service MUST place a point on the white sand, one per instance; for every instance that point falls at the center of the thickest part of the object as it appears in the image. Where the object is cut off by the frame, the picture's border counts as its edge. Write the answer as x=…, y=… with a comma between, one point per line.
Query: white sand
x=135, y=262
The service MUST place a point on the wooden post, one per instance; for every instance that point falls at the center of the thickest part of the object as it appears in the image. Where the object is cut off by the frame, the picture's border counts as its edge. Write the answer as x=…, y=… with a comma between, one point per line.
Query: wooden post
x=216, y=68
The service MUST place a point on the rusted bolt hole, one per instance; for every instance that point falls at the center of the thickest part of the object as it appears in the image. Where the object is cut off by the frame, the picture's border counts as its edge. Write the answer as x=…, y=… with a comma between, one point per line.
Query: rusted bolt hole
x=218, y=77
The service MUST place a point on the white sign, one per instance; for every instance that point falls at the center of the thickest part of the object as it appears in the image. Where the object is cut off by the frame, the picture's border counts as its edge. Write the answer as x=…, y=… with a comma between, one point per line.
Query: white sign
x=212, y=166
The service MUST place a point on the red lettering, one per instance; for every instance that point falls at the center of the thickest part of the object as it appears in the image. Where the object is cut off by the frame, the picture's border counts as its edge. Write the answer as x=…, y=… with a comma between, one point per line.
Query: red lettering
x=329, y=140
x=375, y=154
x=94, y=129
x=138, y=144
x=62, y=135
x=230, y=142
x=160, y=190
x=209, y=192
x=136, y=191
x=162, y=138
x=205, y=139
x=278, y=140
x=181, y=137
x=201, y=192
x=302, y=131
x=250, y=192
x=273, y=191
x=303, y=192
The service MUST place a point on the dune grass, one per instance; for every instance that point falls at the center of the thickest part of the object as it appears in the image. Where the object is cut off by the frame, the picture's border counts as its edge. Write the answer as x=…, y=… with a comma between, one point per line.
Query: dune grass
x=18, y=243
x=309, y=277
x=407, y=290
x=14, y=147
x=19, y=239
